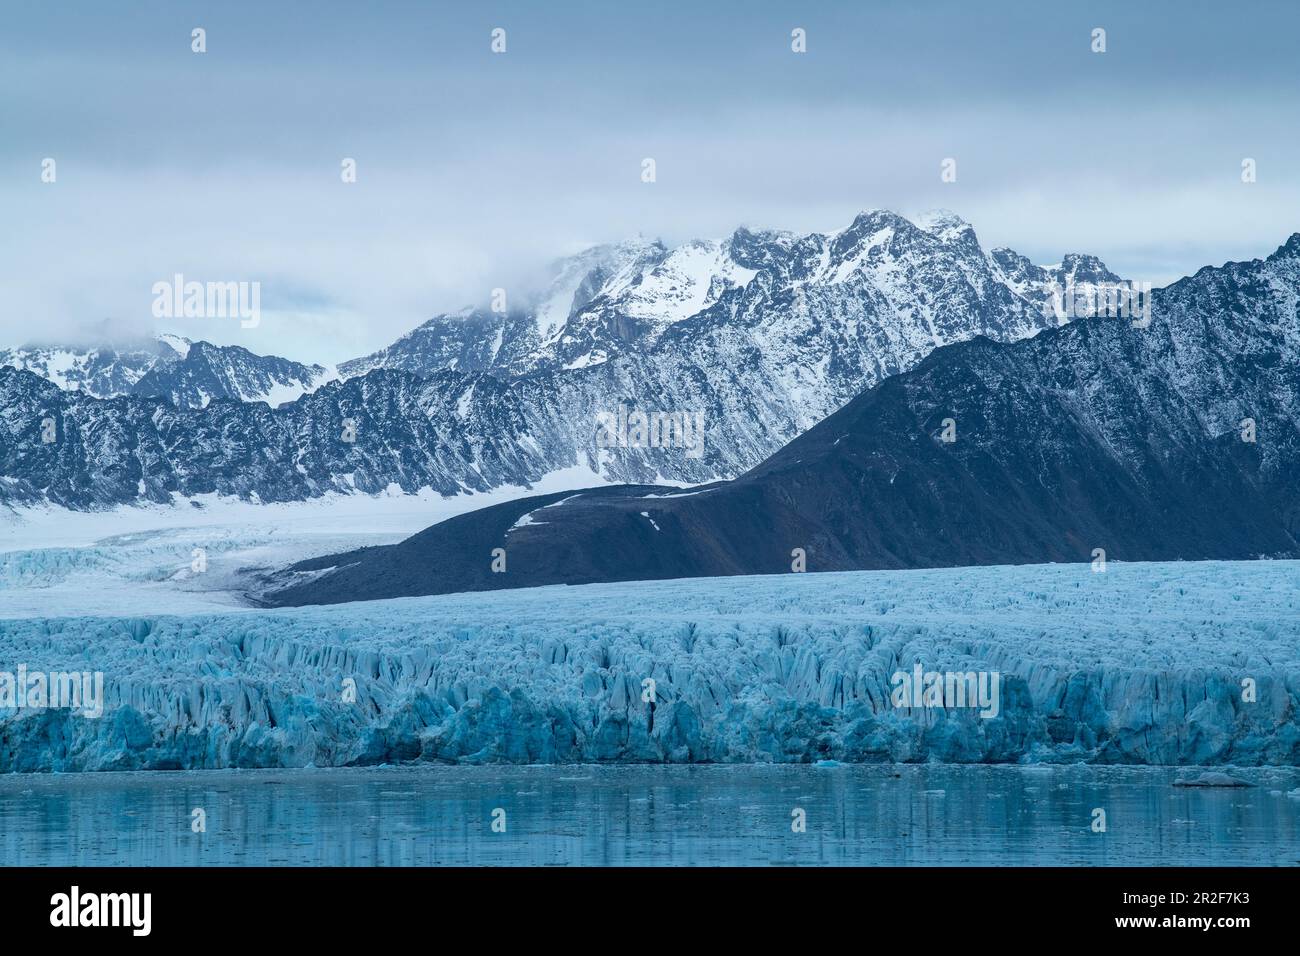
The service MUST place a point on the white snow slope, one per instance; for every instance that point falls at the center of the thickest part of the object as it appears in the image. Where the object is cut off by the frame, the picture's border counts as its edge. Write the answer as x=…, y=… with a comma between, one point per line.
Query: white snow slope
x=1142, y=664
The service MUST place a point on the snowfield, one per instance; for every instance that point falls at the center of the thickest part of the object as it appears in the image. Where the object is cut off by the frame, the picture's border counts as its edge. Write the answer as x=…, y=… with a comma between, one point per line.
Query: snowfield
x=1142, y=664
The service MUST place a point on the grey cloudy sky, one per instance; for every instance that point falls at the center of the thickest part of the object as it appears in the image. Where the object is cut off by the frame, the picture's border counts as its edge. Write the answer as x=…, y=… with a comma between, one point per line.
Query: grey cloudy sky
x=475, y=169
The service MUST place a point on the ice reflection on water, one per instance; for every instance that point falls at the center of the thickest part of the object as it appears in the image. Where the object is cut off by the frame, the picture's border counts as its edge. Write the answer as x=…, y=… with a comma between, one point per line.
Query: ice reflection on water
x=649, y=815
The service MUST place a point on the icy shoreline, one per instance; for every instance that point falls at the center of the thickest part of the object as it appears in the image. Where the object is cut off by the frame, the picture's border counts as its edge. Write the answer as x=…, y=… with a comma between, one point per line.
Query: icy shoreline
x=1143, y=664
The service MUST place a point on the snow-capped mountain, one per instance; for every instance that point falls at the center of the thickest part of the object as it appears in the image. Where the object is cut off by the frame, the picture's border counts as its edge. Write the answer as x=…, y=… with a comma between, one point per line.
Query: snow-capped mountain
x=208, y=372
x=756, y=338
x=480, y=339
x=1104, y=438
x=762, y=334
x=101, y=371
x=406, y=432
x=1084, y=276
x=894, y=286
x=188, y=374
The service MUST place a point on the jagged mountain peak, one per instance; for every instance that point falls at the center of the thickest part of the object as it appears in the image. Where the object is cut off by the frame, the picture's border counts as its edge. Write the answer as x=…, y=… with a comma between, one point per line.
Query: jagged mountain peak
x=186, y=373
x=1079, y=267
x=625, y=296
x=872, y=227
x=935, y=241
x=869, y=219
x=1289, y=249
x=1009, y=259
x=760, y=249
x=177, y=343
x=946, y=226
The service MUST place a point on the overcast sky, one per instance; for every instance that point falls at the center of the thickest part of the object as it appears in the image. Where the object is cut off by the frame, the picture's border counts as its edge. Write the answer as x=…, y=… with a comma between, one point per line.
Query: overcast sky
x=475, y=169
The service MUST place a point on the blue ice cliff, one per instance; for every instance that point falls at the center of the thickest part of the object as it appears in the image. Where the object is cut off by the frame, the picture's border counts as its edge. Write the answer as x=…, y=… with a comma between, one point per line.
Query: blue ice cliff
x=1143, y=664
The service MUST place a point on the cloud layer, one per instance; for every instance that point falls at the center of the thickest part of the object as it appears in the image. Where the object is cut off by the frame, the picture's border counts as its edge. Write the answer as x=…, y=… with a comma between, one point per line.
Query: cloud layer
x=474, y=169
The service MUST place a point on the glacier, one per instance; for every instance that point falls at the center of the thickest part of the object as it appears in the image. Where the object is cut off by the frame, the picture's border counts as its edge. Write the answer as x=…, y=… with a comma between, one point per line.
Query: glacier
x=1141, y=664
x=137, y=559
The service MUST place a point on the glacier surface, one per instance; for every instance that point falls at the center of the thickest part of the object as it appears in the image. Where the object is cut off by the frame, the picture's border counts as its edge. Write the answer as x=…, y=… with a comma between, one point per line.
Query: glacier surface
x=139, y=559
x=1142, y=664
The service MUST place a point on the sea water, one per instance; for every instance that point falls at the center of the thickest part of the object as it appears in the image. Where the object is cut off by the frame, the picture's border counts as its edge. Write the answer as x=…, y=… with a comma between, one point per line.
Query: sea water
x=863, y=815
